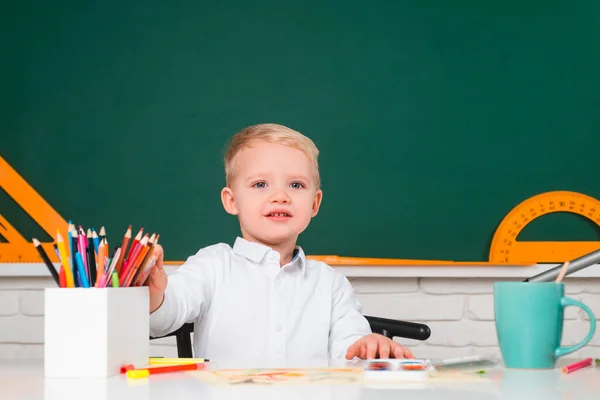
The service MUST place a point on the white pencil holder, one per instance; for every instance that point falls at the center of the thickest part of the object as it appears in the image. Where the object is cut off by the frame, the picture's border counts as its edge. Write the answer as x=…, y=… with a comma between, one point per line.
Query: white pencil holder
x=91, y=332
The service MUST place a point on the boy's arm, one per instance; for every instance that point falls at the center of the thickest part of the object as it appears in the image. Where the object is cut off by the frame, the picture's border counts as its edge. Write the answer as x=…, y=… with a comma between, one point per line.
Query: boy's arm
x=347, y=322
x=188, y=293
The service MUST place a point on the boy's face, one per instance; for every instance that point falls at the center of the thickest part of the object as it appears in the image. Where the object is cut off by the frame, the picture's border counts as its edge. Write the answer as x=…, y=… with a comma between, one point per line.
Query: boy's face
x=273, y=193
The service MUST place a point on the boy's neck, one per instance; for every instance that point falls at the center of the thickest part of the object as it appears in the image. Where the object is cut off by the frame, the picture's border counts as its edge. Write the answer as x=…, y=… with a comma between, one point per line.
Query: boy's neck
x=286, y=253
x=285, y=250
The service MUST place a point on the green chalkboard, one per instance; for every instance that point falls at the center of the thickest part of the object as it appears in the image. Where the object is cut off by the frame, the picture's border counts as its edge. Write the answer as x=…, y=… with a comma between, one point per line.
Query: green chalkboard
x=434, y=118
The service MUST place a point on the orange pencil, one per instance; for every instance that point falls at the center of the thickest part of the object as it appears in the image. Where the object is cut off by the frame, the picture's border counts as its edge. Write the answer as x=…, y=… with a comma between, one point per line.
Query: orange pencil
x=142, y=260
x=124, y=245
x=146, y=266
x=100, y=265
x=138, y=261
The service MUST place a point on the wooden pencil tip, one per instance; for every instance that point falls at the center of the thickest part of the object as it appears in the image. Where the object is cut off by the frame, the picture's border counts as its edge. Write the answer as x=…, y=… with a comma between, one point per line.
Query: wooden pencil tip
x=36, y=242
x=102, y=231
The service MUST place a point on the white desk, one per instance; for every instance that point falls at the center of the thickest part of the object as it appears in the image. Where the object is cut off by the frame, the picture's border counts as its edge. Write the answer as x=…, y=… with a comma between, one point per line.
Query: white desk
x=24, y=380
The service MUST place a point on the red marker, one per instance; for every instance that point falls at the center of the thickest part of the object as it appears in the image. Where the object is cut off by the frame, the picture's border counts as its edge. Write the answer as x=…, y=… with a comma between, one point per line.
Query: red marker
x=578, y=365
x=145, y=372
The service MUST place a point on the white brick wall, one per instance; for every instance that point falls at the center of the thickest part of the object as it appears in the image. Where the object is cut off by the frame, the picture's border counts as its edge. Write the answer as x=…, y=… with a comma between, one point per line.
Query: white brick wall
x=460, y=313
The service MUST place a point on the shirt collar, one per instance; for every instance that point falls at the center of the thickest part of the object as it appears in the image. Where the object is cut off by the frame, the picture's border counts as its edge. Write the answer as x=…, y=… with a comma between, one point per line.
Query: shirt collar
x=256, y=252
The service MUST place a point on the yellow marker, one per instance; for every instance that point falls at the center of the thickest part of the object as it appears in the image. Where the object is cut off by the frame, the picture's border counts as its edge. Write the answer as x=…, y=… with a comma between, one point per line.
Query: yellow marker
x=161, y=360
x=138, y=373
x=64, y=260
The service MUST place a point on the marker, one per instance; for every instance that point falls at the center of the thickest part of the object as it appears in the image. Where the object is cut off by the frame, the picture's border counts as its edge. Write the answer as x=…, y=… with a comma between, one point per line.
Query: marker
x=578, y=365
x=574, y=266
x=145, y=372
x=115, y=279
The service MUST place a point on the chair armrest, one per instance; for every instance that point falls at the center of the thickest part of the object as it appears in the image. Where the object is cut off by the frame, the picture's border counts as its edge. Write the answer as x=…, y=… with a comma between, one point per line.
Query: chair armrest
x=395, y=328
x=183, y=338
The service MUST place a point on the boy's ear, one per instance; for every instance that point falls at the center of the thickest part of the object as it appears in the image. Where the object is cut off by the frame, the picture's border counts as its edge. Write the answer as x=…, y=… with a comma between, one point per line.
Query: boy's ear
x=228, y=201
x=317, y=202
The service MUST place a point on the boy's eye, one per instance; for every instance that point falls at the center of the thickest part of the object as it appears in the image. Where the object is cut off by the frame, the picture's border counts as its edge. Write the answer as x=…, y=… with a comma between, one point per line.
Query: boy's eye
x=296, y=185
x=260, y=185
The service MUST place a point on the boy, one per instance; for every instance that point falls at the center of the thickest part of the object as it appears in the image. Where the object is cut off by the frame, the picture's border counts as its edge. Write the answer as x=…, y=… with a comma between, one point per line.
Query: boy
x=263, y=298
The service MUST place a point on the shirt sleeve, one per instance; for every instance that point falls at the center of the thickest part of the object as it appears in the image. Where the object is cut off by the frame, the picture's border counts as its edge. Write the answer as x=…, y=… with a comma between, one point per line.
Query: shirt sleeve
x=347, y=322
x=187, y=295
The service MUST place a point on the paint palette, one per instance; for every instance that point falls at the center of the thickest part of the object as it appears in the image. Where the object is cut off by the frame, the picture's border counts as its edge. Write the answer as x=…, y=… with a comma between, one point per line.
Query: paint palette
x=398, y=369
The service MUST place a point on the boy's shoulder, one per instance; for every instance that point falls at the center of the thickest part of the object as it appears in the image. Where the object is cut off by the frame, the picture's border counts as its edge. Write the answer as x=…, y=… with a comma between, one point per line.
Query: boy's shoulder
x=215, y=250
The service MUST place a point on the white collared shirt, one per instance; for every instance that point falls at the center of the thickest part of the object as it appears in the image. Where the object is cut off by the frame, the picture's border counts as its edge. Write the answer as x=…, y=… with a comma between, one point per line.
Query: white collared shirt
x=244, y=305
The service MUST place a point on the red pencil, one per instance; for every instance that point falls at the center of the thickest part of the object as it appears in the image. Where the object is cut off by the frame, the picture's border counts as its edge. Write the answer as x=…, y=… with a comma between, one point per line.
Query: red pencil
x=144, y=372
x=578, y=365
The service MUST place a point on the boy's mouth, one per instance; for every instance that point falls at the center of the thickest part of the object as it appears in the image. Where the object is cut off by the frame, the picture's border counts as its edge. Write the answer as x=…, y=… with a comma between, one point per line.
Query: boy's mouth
x=278, y=215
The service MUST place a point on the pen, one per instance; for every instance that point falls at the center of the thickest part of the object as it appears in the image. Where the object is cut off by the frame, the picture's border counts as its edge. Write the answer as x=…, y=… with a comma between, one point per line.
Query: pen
x=145, y=372
x=578, y=365
x=575, y=265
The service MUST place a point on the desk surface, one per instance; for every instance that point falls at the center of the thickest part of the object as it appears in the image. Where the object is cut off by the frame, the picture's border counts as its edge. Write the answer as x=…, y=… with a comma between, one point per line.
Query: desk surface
x=24, y=380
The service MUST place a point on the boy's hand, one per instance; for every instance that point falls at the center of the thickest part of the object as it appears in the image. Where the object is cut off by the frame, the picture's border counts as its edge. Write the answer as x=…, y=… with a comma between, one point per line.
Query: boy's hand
x=157, y=280
x=377, y=346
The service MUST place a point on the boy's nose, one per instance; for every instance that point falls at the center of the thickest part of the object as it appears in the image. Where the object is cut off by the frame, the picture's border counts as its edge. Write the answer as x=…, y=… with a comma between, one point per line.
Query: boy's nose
x=280, y=196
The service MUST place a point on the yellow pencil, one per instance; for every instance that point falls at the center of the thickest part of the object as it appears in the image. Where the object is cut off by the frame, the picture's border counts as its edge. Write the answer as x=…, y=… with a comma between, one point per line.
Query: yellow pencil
x=64, y=260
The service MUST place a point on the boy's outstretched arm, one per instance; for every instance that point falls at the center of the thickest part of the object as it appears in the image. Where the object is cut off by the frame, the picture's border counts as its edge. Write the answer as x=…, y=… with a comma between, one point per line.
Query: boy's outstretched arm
x=350, y=334
x=180, y=297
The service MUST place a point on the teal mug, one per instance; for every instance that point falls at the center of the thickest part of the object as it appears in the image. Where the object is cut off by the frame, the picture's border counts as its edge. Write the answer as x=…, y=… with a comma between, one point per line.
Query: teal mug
x=529, y=323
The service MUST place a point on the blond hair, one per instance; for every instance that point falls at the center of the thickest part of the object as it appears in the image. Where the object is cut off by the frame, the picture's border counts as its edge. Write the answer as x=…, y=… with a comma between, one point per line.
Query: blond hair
x=271, y=133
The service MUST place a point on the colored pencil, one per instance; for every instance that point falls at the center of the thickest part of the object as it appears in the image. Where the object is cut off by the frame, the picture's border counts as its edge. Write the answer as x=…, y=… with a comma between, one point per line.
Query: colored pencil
x=123, y=248
x=102, y=233
x=57, y=252
x=91, y=258
x=111, y=268
x=62, y=279
x=562, y=273
x=131, y=262
x=140, y=260
x=147, y=266
x=136, y=241
x=47, y=261
x=81, y=248
x=100, y=266
x=74, y=241
x=95, y=240
x=61, y=247
x=80, y=267
x=578, y=365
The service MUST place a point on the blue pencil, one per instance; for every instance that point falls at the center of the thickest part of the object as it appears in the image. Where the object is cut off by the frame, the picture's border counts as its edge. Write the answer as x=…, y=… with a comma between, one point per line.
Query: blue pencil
x=82, y=274
x=96, y=240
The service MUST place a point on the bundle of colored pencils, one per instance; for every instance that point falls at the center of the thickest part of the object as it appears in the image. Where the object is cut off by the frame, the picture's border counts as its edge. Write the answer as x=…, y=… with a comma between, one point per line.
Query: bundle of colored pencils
x=88, y=263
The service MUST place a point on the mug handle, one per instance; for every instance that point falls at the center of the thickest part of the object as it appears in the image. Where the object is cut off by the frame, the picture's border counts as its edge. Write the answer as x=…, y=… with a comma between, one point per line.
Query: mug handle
x=567, y=301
